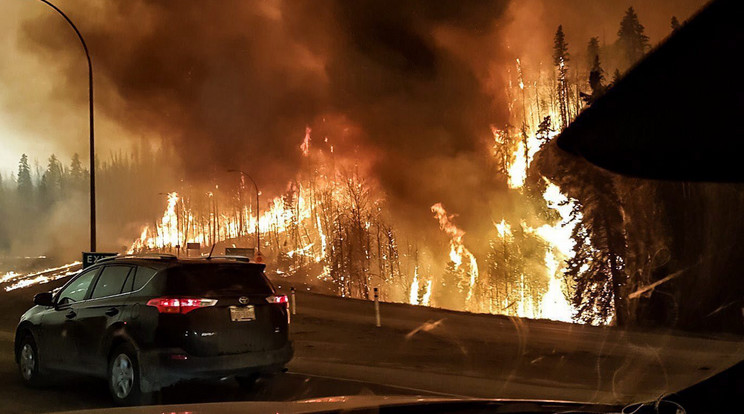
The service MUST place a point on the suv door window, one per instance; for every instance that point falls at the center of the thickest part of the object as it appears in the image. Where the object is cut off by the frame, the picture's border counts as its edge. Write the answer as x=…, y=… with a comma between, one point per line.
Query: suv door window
x=111, y=281
x=76, y=291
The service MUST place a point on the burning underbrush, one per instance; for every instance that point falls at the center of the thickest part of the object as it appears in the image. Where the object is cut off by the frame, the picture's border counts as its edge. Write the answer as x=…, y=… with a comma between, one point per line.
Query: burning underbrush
x=12, y=280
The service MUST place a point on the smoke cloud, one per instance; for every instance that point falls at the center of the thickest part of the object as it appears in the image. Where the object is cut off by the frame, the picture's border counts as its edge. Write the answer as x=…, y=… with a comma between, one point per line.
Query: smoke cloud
x=411, y=87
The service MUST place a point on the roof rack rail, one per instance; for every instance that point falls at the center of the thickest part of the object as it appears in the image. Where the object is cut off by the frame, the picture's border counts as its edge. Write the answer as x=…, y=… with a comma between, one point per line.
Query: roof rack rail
x=151, y=255
x=109, y=258
x=229, y=257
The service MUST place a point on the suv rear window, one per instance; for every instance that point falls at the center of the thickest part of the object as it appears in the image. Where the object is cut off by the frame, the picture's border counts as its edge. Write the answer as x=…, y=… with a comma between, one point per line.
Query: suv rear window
x=210, y=279
x=144, y=274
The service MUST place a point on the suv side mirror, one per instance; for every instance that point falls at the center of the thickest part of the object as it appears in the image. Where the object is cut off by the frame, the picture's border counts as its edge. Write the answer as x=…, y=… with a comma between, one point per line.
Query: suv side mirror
x=44, y=299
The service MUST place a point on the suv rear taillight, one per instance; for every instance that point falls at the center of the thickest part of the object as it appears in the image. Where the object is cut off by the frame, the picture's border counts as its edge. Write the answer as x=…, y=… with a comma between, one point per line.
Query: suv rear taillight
x=280, y=299
x=180, y=305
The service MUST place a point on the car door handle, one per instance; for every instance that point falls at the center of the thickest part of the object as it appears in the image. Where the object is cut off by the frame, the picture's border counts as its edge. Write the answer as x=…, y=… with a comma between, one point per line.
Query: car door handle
x=112, y=311
x=71, y=314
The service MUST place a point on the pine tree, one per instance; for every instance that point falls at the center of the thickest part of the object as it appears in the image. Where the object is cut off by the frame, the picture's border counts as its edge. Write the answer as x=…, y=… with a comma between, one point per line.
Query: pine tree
x=631, y=38
x=2, y=196
x=675, y=24
x=4, y=212
x=544, y=130
x=77, y=175
x=597, y=268
x=592, y=51
x=503, y=149
x=451, y=293
x=596, y=79
x=561, y=58
x=560, y=47
x=51, y=187
x=76, y=169
x=24, y=183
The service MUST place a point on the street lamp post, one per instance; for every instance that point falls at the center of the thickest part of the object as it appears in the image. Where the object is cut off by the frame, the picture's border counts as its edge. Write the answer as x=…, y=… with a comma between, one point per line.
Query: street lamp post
x=92, y=140
x=258, y=210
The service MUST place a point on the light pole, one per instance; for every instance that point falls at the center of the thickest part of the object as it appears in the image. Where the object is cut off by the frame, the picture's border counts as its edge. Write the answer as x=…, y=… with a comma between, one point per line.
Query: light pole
x=92, y=140
x=258, y=210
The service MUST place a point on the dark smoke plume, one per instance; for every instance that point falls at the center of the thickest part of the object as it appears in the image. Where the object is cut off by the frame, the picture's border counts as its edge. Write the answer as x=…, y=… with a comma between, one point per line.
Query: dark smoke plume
x=234, y=84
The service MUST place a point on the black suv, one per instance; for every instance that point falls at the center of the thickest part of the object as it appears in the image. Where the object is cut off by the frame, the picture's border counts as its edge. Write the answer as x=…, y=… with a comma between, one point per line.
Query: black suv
x=148, y=322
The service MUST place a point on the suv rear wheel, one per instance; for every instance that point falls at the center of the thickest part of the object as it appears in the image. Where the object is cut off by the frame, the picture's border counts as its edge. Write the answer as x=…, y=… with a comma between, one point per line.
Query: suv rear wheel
x=124, y=377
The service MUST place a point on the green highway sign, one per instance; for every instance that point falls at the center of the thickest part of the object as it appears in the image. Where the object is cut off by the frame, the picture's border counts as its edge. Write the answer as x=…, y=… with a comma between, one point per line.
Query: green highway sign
x=89, y=258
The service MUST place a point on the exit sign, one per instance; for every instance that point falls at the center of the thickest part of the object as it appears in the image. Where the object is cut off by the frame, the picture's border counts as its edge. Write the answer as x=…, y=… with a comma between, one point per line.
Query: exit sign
x=90, y=258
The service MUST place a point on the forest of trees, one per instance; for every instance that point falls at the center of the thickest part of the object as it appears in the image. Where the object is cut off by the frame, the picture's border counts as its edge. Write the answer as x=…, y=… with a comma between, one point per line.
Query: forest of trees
x=343, y=236
x=599, y=270
x=644, y=250
x=596, y=280
x=45, y=206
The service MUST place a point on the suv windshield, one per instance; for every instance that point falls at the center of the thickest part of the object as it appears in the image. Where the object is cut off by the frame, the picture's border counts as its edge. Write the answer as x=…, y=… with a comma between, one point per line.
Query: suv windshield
x=296, y=199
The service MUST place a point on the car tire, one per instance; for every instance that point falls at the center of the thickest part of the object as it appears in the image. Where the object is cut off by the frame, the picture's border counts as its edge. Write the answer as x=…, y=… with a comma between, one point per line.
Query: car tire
x=28, y=362
x=124, y=377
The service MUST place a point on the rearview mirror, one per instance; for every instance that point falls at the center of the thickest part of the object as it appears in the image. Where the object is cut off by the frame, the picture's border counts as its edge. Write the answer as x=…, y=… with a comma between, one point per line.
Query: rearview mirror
x=44, y=299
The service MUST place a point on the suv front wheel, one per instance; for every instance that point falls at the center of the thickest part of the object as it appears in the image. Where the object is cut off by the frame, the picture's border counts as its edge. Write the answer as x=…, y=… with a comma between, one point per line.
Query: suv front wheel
x=124, y=377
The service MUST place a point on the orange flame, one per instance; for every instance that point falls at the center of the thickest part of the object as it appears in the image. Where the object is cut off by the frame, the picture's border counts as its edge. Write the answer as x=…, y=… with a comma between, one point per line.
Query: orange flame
x=305, y=146
x=458, y=252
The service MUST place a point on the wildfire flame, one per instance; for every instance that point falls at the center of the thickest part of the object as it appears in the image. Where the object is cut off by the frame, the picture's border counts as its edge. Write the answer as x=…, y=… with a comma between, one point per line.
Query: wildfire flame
x=305, y=146
x=18, y=280
x=416, y=291
x=300, y=220
x=458, y=252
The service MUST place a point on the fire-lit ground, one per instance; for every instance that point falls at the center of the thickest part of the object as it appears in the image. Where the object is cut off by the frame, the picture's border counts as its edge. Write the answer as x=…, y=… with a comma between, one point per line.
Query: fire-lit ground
x=424, y=350
x=498, y=357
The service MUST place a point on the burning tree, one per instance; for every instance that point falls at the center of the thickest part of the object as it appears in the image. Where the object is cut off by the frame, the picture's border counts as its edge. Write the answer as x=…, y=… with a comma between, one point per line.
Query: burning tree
x=560, y=61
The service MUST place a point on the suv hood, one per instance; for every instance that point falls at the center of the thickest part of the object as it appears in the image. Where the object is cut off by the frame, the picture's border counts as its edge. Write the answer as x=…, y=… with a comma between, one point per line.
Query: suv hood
x=340, y=403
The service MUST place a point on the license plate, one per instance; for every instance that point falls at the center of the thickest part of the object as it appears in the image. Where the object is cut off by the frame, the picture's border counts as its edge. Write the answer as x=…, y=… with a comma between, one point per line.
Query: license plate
x=242, y=313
